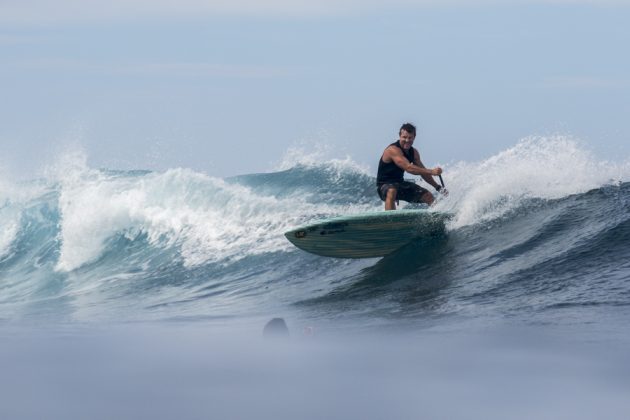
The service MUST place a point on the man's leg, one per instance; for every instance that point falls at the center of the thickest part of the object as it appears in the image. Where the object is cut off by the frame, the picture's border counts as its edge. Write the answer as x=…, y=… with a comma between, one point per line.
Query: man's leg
x=390, y=198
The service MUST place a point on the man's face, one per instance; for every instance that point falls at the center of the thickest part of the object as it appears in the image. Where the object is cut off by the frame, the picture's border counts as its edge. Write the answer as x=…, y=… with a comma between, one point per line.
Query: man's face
x=406, y=139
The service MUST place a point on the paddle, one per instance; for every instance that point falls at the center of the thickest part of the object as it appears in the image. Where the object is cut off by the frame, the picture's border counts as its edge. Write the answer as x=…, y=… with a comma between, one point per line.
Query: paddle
x=442, y=190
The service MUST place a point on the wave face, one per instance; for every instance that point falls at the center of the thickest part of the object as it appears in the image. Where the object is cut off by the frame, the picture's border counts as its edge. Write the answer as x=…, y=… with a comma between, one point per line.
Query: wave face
x=539, y=230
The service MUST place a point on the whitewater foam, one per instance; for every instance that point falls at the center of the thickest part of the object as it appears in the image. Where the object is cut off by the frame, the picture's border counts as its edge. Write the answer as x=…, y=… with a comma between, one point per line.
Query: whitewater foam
x=537, y=167
x=208, y=218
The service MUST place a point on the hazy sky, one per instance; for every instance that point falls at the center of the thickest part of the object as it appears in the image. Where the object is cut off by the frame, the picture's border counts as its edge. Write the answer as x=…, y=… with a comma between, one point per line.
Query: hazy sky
x=227, y=87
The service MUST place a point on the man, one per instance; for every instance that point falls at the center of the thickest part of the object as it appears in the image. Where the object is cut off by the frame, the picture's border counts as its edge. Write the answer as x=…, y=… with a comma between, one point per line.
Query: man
x=398, y=158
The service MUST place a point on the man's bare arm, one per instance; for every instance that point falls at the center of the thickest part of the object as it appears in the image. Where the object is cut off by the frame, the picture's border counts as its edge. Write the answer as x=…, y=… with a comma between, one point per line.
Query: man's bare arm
x=401, y=161
x=428, y=177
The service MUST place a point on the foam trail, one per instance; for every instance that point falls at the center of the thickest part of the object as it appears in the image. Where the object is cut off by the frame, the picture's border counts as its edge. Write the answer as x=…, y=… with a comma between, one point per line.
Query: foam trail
x=537, y=167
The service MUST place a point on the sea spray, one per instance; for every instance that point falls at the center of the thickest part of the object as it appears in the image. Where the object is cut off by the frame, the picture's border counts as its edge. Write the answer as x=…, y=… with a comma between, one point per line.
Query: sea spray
x=536, y=168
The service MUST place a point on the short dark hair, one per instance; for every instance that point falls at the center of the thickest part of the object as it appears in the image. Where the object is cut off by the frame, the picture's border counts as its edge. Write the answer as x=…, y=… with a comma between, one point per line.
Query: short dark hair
x=409, y=128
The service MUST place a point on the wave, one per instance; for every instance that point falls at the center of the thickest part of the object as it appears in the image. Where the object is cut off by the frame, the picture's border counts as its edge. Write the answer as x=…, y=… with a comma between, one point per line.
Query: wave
x=208, y=219
x=80, y=229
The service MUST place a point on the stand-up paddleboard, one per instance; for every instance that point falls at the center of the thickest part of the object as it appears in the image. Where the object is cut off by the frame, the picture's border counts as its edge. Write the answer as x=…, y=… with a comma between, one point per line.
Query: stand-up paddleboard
x=367, y=235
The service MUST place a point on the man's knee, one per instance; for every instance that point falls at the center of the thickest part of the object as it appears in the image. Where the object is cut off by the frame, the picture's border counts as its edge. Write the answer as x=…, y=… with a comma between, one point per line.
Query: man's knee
x=392, y=193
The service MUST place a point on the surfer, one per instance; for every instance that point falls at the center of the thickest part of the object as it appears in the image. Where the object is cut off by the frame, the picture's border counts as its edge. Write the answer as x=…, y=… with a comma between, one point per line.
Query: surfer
x=398, y=158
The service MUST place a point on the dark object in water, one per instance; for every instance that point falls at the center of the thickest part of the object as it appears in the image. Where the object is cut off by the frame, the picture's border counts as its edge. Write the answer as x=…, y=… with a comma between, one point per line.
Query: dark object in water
x=276, y=328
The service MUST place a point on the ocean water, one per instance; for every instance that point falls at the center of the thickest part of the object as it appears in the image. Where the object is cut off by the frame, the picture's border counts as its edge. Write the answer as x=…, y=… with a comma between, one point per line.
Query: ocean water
x=136, y=294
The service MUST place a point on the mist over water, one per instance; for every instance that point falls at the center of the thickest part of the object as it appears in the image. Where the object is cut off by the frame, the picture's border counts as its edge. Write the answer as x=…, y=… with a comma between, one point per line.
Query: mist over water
x=534, y=270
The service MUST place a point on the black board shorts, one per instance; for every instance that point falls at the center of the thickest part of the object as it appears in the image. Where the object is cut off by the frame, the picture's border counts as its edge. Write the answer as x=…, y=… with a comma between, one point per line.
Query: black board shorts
x=407, y=191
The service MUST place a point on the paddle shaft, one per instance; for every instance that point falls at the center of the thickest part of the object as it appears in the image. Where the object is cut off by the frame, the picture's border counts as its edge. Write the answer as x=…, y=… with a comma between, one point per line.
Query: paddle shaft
x=441, y=181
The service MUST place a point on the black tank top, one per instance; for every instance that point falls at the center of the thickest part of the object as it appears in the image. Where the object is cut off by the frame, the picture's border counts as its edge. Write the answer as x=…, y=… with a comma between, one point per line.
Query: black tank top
x=390, y=172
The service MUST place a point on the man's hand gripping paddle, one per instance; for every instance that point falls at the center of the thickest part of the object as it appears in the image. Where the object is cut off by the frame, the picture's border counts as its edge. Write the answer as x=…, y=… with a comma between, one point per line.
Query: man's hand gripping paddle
x=443, y=190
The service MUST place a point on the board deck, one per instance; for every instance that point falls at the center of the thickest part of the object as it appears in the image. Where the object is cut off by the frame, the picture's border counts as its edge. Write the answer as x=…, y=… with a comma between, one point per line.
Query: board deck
x=367, y=235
